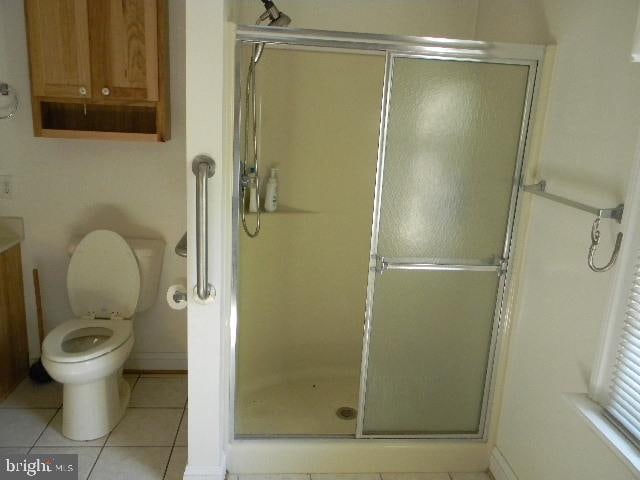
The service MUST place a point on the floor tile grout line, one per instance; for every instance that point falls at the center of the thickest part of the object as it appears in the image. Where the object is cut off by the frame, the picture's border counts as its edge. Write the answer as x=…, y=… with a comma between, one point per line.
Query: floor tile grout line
x=135, y=407
x=95, y=462
x=43, y=430
x=106, y=440
x=138, y=446
x=53, y=407
x=155, y=445
x=134, y=384
x=173, y=447
x=70, y=445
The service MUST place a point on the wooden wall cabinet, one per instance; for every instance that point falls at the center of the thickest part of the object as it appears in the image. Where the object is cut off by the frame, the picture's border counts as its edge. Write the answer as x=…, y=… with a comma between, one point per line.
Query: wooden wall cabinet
x=14, y=348
x=99, y=68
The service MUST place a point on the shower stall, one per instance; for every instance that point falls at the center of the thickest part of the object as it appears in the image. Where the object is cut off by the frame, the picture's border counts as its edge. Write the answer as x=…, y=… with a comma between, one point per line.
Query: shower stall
x=372, y=302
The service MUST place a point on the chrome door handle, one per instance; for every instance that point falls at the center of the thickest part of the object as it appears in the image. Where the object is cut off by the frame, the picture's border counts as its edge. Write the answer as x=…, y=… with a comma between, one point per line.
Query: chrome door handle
x=382, y=264
x=203, y=168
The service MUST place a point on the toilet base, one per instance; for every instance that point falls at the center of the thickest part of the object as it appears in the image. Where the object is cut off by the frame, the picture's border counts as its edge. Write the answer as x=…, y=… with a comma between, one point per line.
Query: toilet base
x=92, y=410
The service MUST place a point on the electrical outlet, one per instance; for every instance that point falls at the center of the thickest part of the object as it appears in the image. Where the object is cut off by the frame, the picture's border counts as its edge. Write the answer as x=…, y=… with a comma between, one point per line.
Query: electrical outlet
x=6, y=187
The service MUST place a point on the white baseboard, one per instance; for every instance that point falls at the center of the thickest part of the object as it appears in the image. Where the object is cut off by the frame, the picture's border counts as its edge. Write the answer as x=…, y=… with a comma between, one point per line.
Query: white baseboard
x=204, y=473
x=156, y=361
x=499, y=467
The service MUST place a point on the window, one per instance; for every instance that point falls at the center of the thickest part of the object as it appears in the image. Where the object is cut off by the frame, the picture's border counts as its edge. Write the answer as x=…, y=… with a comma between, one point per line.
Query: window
x=615, y=384
x=623, y=404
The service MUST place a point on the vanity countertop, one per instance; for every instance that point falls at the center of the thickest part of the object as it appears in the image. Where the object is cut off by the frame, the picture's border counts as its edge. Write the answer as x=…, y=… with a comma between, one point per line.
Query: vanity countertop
x=11, y=232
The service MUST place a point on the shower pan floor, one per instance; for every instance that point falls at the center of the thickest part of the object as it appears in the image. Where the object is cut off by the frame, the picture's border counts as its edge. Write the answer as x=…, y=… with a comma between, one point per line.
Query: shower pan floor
x=304, y=407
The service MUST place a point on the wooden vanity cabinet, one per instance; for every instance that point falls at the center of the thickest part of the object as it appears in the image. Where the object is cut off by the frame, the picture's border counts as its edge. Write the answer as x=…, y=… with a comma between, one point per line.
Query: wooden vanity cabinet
x=14, y=348
x=99, y=68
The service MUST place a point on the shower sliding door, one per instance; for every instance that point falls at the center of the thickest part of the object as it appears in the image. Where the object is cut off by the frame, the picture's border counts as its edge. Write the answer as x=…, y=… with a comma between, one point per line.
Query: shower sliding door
x=450, y=160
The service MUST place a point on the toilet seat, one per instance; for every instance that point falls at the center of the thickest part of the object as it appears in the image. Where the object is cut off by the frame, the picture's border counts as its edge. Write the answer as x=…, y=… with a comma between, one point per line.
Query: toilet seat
x=52, y=348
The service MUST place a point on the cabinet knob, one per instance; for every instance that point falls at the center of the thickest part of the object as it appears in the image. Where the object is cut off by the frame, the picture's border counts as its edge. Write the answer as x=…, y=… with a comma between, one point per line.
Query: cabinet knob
x=106, y=91
x=82, y=90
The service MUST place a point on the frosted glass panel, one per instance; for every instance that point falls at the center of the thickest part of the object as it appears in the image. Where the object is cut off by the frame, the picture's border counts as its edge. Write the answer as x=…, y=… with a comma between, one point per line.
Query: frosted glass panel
x=453, y=133
x=452, y=145
x=428, y=351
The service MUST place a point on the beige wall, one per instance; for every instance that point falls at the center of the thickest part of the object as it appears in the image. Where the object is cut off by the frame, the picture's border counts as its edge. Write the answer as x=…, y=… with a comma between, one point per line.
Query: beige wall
x=303, y=279
x=587, y=149
x=524, y=21
x=65, y=188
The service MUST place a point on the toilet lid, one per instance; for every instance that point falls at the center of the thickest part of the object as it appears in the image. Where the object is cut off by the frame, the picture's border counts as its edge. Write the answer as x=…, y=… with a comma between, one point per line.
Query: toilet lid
x=103, y=277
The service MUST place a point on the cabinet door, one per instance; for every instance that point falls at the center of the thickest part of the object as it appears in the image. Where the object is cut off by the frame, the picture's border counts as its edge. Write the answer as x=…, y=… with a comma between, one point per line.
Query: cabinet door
x=124, y=49
x=58, y=32
x=14, y=349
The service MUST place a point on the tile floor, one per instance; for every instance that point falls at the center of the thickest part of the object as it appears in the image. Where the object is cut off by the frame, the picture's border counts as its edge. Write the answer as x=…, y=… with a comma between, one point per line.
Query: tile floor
x=365, y=476
x=150, y=443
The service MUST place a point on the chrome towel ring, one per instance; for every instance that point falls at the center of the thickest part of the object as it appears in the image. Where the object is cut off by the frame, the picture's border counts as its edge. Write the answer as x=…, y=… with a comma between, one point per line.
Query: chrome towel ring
x=8, y=91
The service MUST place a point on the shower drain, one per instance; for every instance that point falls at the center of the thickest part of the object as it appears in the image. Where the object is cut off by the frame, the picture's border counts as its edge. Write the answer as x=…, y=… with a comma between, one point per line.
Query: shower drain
x=347, y=413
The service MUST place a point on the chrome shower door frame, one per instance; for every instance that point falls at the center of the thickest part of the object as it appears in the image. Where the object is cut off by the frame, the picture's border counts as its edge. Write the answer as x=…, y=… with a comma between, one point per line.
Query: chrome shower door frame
x=378, y=265
x=391, y=47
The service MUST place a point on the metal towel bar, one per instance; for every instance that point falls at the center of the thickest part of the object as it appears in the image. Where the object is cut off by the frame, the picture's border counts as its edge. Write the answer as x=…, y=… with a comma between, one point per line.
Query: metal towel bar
x=614, y=213
x=540, y=189
x=203, y=167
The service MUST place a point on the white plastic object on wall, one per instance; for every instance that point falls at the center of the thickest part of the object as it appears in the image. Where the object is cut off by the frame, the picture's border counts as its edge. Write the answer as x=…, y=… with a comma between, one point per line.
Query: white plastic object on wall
x=6, y=187
x=635, y=51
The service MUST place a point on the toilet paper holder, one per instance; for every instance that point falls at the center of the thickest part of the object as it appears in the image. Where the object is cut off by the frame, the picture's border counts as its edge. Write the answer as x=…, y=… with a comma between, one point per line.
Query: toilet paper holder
x=179, y=297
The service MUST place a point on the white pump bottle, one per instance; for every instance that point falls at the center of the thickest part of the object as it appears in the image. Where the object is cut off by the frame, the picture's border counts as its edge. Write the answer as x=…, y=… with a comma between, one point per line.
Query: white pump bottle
x=271, y=195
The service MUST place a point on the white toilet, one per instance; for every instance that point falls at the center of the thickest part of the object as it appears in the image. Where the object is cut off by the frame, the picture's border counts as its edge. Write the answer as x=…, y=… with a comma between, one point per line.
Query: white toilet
x=105, y=282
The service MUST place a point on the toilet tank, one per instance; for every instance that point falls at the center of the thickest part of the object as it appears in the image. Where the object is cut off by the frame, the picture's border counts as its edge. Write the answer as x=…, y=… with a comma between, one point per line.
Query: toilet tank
x=149, y=254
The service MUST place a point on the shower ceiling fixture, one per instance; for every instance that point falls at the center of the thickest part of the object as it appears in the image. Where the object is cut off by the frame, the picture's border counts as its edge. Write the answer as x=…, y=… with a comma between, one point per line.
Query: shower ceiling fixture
x=276, y=17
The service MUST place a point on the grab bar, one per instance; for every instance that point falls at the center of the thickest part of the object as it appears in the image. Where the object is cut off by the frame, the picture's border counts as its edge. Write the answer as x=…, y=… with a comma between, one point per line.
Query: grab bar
x=203, y=168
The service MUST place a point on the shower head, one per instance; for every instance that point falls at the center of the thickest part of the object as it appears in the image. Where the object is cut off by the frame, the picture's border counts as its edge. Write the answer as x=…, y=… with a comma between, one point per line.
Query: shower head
x=283, y=20
x=276, y=17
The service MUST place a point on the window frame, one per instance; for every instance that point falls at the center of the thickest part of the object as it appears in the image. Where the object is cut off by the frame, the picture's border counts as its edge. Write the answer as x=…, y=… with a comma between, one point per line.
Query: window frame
x=624, y=273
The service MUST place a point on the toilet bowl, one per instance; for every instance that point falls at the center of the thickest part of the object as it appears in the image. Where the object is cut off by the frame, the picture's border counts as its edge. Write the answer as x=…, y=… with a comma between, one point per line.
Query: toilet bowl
x=87, y=354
